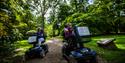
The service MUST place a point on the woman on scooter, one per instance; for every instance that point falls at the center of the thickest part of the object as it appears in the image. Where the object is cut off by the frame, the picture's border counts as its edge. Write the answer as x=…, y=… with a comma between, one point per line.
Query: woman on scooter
x=69, y=33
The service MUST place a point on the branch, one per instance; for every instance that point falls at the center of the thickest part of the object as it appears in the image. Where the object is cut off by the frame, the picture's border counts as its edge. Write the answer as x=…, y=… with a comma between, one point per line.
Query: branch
x=58, y=1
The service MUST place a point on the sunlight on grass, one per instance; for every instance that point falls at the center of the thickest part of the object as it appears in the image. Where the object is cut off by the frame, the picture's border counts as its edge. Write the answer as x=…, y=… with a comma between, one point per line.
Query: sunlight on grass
x=109, y=55
x=121, y=46
x=21, y=47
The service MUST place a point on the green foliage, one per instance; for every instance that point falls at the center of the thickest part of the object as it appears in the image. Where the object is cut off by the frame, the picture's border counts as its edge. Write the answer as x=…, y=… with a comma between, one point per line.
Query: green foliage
x=18, y=17
x=31, y=32
x=15, y=20
x=79, y=5
x=63, y=14
x=23, y=44
x=49, y=30
x=102, y=17
x=15, y=15
x=17, y=34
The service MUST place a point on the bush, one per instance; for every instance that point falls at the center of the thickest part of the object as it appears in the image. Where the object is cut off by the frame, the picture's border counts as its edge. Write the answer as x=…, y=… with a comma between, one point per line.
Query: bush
x=17, y=35
x=31, y=32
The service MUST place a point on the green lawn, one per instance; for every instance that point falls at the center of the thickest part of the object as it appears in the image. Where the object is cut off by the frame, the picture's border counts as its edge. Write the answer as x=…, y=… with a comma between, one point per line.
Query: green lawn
x=21, y=47
x=112, y=56
x=16, y=52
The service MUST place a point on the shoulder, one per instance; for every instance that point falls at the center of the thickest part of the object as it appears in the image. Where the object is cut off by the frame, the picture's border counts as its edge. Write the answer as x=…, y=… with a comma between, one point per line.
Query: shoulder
x=65, y=29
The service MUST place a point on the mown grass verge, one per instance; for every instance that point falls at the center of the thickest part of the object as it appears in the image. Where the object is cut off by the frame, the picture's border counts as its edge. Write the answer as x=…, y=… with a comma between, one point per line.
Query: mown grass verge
x=112, y=56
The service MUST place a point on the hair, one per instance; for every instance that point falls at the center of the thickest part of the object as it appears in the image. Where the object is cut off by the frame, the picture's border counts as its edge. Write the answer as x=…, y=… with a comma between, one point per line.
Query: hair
x=69, y=24
x=41, y=30
x=38, y=29
x=65, y=25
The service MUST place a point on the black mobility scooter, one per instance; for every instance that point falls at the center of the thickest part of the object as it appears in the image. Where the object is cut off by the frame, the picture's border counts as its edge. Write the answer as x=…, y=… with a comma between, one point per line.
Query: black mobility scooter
x=74, y=51
x=36, y=51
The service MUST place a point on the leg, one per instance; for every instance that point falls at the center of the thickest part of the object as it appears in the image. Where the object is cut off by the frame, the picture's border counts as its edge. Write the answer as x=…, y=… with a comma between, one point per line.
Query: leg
x=40, y=40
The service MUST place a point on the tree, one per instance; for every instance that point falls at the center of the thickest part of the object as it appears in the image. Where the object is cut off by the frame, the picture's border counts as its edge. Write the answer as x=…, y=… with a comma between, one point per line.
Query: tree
x=79, y=5
x=100, y=16
x=41, y=7
x=63, y=14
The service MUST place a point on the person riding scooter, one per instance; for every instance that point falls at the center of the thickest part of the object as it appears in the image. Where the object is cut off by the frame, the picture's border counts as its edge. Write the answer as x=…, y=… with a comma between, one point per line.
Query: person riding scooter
x=70, y=35
x=39, y=48
x=40, y=36
x=68, y=32
x=74, y=48
x=70, y=43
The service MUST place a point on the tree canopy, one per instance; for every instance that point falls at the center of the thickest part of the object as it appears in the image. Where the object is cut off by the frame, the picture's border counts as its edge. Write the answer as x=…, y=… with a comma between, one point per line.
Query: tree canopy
x=17, y=17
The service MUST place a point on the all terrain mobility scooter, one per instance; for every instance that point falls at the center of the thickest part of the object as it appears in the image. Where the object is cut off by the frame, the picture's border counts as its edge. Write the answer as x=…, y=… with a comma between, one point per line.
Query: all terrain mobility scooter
x=36, y=51
x=73, y=49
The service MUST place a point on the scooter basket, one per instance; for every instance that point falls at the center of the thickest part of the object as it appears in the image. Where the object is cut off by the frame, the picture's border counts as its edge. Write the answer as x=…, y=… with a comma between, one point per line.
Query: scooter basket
x=32, y=40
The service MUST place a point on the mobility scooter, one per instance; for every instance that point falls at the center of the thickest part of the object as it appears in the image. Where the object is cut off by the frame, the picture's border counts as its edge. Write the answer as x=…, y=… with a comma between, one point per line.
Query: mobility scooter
x=73, y=49
x=36, y=51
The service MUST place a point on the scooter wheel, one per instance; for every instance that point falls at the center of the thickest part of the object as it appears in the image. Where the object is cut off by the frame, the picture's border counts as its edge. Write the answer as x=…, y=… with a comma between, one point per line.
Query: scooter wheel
x=72, y=60
x=42, y=54
x=25, y=57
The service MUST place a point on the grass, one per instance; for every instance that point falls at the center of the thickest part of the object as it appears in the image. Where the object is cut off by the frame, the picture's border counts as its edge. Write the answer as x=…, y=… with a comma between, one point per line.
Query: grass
x=21, y=47
x=14, y=52
x=112, y=56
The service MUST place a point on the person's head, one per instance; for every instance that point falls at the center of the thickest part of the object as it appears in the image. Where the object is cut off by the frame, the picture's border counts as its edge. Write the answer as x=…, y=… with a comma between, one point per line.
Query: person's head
x=69, y=24
x=38, y=29
x=42, y=30
x=66, y=26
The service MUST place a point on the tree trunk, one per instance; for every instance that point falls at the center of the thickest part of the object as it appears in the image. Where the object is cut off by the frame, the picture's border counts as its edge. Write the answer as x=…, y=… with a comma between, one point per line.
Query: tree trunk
x=76, y=5
x=53, y=18
x=43, y=22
